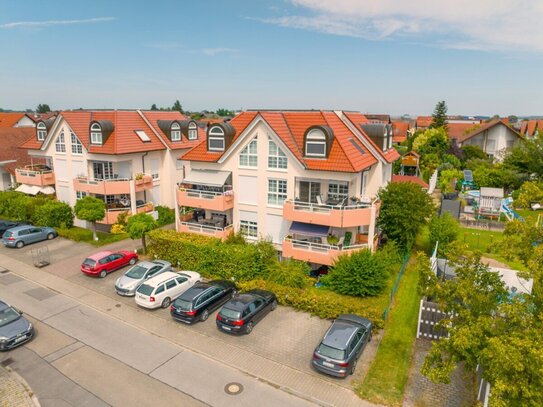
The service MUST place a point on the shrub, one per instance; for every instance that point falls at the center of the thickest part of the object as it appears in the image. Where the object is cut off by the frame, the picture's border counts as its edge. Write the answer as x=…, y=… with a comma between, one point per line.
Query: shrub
x=165, y=215
x=443, y=229
x=117, y=228
x=76, y=234
x=235, y=238
x=55, y=214
x=122, y=218
x=289, y=273
x=320, y=302
x=446, y=178
x=529, y=192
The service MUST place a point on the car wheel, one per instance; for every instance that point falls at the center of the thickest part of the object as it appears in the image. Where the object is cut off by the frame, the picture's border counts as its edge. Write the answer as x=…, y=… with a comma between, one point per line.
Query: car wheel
x=204, y=315
x=249, y=328
x=165, y=302
x=274, y=305
x=132, y=261
x=353, y=367
x=103, y=273
x=50, y=236
x=19, y=244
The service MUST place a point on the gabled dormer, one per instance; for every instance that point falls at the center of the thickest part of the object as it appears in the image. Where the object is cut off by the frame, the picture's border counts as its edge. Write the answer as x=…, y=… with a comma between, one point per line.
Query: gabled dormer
x=381, y=134
x=318, y=141
x=43, y=127
x=172, y=129
x=100, y=130
x=219, y=136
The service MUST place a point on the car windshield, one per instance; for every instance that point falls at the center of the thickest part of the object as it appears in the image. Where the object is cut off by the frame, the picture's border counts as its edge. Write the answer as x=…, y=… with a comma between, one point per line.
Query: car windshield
x=183, y=305
x=145, y=289
x=8, y=315
x=136, y=272
x=230, y=313
x=330, y=352
x=89, y=262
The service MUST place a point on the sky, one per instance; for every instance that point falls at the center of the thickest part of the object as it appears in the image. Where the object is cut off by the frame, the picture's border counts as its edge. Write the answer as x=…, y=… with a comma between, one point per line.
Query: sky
x=482, y=57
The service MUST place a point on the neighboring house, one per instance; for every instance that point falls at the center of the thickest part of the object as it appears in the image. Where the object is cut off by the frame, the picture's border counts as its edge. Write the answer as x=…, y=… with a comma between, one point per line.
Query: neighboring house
x=11, y=155
x=456, y=131
x=400, y=131
x=410, y=178
x=423, y=122
x=305, y=180
x=378, y=118
x=531, y=128
x=493, y=138
x=16, y=120
x=126, y=158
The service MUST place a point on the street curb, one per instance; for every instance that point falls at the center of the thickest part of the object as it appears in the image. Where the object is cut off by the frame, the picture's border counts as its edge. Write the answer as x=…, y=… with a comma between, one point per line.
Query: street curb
x=18, y=378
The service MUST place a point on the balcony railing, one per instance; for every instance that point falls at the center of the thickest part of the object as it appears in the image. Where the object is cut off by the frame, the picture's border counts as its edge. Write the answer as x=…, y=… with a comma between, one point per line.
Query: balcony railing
x=113, y=213
x=35, y=175
x=317, y=252
x=207, y=230
x=112, y=186
x=218, y=199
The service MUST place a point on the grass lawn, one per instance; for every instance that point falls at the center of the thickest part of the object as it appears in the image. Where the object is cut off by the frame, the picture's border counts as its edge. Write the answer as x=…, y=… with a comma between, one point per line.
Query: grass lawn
x=387, y=377
x=85, y=235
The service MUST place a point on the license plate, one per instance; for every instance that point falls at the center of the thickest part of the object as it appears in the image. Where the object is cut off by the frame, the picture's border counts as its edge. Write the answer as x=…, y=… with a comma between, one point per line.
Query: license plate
x=142, y=297
x=20, y=339
x=328, y=364
x=121, y=293
x=227, y=328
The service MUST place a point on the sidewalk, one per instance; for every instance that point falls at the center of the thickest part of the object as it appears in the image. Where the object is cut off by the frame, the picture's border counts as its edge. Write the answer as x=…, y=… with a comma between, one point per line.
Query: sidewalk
x=14, y=391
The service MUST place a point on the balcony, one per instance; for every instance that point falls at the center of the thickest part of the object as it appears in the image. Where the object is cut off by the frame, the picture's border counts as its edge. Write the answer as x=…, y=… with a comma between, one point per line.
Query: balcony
x=335, y=215
x=37, y=175
x=205, y=229
x=218, y=199
x=317, y=252
x=113, y=213
x=113, y=186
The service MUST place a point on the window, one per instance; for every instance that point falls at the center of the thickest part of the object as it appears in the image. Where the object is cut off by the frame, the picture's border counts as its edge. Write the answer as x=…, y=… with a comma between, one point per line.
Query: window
x=159, y=289
x=42, y=131
x=216, y=139
x=338, y=191
x=277, y=191
x=249, y=155
x=77, y=147
x=108, y=199
x=248, y=228
x=143, y=136
x=509, y=144
x=315, y=143
x=176, y=132
x=96, y=134
x=276, y=157
x=193, y=131
x=80, y=194
x=102, y=170
x=170, y=284
x=60, y=144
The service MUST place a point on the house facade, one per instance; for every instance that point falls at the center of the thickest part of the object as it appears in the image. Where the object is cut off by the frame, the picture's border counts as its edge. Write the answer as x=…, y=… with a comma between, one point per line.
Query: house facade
x=305, y=180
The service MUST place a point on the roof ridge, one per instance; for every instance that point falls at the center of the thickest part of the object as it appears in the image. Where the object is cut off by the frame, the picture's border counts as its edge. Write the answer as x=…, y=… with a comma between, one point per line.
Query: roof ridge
x=340, y=143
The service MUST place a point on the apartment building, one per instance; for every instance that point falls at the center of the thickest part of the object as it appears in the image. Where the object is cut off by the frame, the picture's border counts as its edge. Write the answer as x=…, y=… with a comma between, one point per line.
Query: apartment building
x=305, y=180
x=126, y=158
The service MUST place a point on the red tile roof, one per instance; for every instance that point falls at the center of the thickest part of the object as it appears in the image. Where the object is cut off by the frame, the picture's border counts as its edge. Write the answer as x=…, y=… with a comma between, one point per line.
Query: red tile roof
x=347, y=153
x=484, y=127
x=12, y=140
x=530, y=127
x=423, y=121
x=153, y=116
x=399, y=131
x=10, y=119
x=409, y=178
x=457, y=130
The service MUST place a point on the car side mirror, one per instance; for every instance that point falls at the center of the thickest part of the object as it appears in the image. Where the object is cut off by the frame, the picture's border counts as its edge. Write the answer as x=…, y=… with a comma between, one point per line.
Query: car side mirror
x=19, y=311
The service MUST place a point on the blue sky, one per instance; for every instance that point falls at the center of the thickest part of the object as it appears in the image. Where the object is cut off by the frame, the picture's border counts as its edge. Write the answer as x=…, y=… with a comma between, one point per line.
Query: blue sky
x=389, y=56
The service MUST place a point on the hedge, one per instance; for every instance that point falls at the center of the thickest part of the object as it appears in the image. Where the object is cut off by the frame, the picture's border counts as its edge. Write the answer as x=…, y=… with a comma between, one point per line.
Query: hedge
x=321, y=302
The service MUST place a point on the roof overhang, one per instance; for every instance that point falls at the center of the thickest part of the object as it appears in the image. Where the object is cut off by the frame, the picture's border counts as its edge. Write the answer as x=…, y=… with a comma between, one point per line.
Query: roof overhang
x=207, y=177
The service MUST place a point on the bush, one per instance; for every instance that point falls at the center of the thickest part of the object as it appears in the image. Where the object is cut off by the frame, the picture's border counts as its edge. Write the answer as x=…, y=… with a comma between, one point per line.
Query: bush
x=76, y=234
x=117, y=228
x=165, y=215
x=54, y=214
x=529, y=192
x=443, y=229
x=320, y=302
x=446, y=178
x=289, y=273
x=122, y=219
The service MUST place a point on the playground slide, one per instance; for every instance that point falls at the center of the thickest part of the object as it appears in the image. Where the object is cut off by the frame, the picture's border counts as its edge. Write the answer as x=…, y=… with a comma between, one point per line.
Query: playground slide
x=510, y=213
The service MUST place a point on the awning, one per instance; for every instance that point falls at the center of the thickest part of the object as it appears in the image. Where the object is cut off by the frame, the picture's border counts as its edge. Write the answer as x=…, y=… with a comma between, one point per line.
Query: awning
x=309, y=229
x=25, y=189
x=34, y=189
x=207, y=177
x=47, y=190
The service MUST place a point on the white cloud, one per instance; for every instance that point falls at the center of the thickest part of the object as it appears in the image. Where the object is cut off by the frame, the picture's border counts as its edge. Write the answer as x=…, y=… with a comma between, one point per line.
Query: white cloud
x=49, y=23
x=495, y=25
x=214, y=51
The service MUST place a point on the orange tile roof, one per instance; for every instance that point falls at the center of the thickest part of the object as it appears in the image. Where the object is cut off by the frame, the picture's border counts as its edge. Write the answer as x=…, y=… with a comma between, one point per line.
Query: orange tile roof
x=409, y=178
x=523, y=127
x=13, y=139
x=399, y=131
x=530, y=127
x=485, y=127
x=457, y=130
x=423, y=121
x=153, y=116
x=10, y=119
x=290, y=128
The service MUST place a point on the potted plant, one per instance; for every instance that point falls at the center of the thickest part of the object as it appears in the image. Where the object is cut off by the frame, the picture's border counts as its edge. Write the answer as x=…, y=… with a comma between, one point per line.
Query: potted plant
x=354, y=200
x=139, y=178
x=332, y=240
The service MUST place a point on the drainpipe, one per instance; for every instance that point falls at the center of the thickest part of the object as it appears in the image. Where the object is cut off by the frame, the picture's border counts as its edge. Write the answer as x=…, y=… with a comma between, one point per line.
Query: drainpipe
x=143, y=170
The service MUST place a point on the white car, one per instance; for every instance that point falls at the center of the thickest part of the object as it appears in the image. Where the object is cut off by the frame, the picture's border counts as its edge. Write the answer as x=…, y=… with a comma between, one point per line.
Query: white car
x=162, y=289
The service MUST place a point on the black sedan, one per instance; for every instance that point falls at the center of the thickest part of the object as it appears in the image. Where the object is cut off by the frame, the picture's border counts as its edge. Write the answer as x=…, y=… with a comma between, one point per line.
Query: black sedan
x=14, y=328
x=8, y=224
x=342, y=345
x=201, y=299
x=241, y=313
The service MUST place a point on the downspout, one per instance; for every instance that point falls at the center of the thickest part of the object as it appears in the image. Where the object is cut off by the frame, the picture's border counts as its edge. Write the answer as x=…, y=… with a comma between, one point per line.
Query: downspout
x=143, y=170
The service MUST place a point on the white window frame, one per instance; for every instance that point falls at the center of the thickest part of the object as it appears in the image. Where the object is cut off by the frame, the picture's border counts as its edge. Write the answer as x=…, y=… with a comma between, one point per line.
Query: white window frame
x=60, y=143
x=315, y=137
x=277, y=192
x=96, y=134
x=338, y=190
x=216, y=134
x=80, y=195
x=277, y=159
x=175, y=130
x=193, y=131
x=248, y=229
x=42, y=131
x=248, y=157
x=77, y=147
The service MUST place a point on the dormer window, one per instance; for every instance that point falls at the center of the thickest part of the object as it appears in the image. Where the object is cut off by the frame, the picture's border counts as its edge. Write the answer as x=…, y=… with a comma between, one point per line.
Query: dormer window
x=315, y=143
x=385, y=140
x=215, y=139
x=175, y=131
x=96, y=134
x=42, y=131
x=193, y=131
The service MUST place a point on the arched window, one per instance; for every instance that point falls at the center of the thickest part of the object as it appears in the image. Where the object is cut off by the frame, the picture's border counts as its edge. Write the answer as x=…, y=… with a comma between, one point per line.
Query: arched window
x=315, y=143
x=215, y=139
x=175, y=131
x=193, y=131
x=248, y=157
x=42, y=131
x=96, y=134
x=276, y=157
x=60, y=143
x=77, y=147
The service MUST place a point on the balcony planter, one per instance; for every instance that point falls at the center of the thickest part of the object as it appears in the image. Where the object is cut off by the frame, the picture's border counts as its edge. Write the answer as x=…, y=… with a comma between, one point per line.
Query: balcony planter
x=185, y=217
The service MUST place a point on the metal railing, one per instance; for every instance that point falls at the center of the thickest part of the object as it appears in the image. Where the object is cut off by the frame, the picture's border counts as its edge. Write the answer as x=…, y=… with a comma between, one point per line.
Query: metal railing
x=32, y=173
x=210, y=193
x=205, y=229
x=322, y=247
x=326, y=208
x=95, y=181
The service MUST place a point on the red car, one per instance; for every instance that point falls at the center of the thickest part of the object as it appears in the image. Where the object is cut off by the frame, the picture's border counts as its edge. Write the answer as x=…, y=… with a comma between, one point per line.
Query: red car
x=101, y=263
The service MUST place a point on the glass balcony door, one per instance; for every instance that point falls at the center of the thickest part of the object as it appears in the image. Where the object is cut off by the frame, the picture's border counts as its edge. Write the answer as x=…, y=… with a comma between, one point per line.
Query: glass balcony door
x=102, y=170
x=309, y=191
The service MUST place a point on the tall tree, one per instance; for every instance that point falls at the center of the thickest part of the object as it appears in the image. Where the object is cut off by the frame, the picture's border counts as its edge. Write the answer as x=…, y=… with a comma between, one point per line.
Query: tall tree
x=138, y=225
x=90, y=209
x=439, y=117
x=153, y=107
x=43, y=108
x=177, y=106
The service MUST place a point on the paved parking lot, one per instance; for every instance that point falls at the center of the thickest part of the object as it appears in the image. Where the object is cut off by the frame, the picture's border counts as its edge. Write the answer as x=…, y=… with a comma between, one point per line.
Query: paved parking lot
x=285, y=336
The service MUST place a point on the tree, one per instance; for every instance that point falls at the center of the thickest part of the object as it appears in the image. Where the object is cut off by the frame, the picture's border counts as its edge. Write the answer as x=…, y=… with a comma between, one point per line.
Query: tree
x=54, y=214
x=138, y=225
x=473, y=152
x=405, y=207
x=489, y=327
x=225, y=112
x=527, y=157
x=439, y=117
x=153, y=107
x=177, y=106
x=432, y=141
x=443, y=229
x=43, y=108
x=90, y=209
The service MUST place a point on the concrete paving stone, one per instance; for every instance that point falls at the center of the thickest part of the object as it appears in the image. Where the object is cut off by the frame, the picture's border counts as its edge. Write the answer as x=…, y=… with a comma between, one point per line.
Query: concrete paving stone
x=7, y=279
x=40, y=293
x=12, y=391
x=47, y=340
x=63, y=352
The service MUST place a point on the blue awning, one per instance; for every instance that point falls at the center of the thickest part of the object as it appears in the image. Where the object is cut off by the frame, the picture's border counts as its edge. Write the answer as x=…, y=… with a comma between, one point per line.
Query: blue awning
x=309, y=229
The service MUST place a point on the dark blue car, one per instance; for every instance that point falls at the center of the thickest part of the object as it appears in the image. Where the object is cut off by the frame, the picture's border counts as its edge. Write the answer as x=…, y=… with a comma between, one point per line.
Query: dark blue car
x=14, y=328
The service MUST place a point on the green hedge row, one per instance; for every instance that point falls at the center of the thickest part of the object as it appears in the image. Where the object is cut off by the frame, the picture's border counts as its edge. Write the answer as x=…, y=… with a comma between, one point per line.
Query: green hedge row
x=38, y=210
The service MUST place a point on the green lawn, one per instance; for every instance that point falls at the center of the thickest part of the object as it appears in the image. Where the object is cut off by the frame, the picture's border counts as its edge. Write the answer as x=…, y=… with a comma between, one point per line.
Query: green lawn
x=387, y=377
